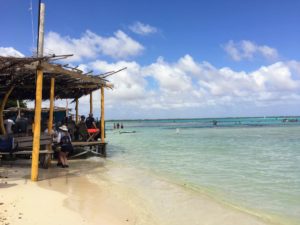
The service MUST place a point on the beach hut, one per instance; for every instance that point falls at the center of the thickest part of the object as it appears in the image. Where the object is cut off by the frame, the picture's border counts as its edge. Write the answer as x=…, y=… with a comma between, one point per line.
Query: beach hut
x=39, y=78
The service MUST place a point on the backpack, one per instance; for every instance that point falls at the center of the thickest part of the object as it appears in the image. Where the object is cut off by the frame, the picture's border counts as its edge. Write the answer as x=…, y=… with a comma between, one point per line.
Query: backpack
x=65, y=140
x=6, y=145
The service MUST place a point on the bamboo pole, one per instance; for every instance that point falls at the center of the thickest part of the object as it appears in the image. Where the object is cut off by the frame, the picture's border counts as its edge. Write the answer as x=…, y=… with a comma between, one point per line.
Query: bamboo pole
x=67, y=108
x=76, y=109
x=19, y=110
x=91, y=102
x=3, y=103
x=102, y=115
x=38, y=101
x=37, y=126
x=51, y=107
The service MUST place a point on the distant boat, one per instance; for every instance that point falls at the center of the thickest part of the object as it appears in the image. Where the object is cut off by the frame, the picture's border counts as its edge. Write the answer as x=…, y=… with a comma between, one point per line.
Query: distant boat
x=177, y=131
x=290, y=120
x=127, y=132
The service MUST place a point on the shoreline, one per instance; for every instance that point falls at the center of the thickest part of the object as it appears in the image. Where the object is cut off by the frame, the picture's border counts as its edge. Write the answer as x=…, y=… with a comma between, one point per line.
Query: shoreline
x=92, y=192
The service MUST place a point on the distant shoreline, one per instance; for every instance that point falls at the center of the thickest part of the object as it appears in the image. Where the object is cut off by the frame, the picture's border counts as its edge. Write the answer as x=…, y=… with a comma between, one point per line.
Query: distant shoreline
x=200, y=118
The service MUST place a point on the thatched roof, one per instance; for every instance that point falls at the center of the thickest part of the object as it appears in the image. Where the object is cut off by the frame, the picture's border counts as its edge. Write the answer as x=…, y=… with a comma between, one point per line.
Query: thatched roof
x=16, y=109
x=21, y=73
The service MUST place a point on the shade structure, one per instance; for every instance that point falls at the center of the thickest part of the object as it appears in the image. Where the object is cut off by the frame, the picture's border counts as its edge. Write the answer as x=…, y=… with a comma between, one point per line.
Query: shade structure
x=69, y=82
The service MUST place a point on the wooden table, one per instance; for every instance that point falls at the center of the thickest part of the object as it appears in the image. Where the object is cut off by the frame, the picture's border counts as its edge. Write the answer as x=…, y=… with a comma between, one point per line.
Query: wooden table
x=95, y=147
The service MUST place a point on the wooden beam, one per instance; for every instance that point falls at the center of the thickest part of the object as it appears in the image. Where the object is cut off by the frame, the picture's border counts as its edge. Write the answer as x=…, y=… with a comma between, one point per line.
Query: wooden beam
x=51, y=107
x=102, y=115
x=3, y=103
x=38, y=101
x=74, y=86
x=76, y=109
x=54, y=69
x=40, y=44
x=37, y=126
x=91, y=102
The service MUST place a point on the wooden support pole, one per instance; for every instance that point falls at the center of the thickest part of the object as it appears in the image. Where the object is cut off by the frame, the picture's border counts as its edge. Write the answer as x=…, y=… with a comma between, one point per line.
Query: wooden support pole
x=3, y=103
x=19, y=110
x=76, y=109
x=102, y=115
x=91, y=102
x=50, y=121
x=38, y=101
x=37, y=126
x=67, y=108
x=51, y=107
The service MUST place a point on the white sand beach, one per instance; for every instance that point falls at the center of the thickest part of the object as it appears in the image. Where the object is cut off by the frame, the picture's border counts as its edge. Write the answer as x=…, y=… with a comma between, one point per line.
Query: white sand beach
x=90, y=192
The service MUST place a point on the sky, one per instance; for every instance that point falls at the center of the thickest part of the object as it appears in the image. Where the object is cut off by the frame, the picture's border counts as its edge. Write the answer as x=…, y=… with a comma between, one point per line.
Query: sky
x=184, y=59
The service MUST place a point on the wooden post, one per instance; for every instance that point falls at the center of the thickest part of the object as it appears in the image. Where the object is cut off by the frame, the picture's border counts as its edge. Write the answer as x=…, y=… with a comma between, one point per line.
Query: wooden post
x=37, y=126
x=76, y=109
x=3, y=103
x=67, y=108
x=91, y=102
x=38, y=101
x=102, y=115
x=19, y=110
x=51, y=107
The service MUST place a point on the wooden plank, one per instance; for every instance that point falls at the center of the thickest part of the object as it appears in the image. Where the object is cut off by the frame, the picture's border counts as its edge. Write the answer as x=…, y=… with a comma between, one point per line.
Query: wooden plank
x=26, y=152
x=88, y=143
x=29, y=138
x=29, y=144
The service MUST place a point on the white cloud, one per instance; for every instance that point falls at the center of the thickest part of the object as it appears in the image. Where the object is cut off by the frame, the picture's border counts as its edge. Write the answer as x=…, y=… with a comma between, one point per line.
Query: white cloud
x=129, y=85
x=191, y=87
x=142, y=29
x=188, y=88
x=10, y=51
x=247, y=50
x=91, y=45
x=170, y=77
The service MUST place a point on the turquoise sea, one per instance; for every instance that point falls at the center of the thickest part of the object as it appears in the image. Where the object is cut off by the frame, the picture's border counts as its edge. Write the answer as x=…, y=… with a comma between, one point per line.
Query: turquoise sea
x=252, y=164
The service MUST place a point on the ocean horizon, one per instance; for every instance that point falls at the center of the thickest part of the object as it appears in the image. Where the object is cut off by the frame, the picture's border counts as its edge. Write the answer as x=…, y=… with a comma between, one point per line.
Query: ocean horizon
x=192, y=118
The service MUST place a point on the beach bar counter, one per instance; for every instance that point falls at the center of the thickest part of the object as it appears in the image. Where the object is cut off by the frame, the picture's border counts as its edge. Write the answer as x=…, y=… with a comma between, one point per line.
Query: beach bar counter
x=38, y=79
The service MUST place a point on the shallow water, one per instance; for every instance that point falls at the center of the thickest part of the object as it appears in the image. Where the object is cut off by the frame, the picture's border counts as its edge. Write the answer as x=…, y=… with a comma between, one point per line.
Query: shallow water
x=249, y=163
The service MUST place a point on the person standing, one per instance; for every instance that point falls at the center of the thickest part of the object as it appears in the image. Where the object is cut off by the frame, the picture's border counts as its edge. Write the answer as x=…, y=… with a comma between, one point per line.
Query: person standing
x=8, y=123
x=71, y=127
x=64, y=140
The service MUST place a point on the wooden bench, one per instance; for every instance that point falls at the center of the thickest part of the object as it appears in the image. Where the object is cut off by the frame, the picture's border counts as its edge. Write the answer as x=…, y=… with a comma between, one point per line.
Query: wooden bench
x=24, y=147
x=95, y=147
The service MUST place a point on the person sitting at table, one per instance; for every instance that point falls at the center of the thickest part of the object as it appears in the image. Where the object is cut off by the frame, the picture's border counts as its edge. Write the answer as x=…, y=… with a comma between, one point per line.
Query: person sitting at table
x=6, y=144
x=92, y=129
x=82, y=132
x=52, y=132
x=71, y=127
x=90, y=122
x=8, y=124
x=21, y=124
x=64, y=140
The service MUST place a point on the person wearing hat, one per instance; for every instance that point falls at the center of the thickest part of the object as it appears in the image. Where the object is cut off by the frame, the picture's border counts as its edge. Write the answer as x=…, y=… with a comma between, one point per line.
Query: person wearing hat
x=64, y=140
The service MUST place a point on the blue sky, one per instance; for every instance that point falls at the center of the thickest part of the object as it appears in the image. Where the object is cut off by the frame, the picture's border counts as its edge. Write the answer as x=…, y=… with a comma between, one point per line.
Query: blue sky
x=184, y=58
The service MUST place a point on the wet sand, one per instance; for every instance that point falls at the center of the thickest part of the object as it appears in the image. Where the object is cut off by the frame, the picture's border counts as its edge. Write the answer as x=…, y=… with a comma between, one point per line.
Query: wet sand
x=94, y=192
